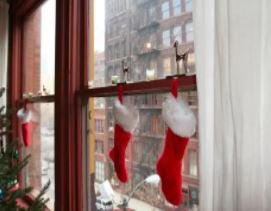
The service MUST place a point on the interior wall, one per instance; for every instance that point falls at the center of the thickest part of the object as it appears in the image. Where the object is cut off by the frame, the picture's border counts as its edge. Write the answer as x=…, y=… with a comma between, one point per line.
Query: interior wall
x=3, y=46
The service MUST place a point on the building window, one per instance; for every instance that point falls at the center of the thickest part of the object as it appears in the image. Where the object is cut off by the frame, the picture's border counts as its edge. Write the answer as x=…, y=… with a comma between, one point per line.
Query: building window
x=188, y=6
x=165, y=10
x=99, y=146
x=99, y=126
x=177, y=7
x=167, y=66
x=193, y=167
x=152, y=13
x=177, y=34
x=166, y=38
x=99, y=171
x=189, y=32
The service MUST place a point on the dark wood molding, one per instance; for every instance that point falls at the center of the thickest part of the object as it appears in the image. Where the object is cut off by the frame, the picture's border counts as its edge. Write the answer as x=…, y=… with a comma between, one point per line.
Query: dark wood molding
x=72, y=33
x=187, y=83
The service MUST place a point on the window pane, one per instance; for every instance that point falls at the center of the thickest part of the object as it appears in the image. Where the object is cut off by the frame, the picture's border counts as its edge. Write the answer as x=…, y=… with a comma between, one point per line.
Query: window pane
x=177, y=7
x=167, y=66
x=166, y=38
x=177, y=34
x=41, y=167
x=193, y=166
x=165, y=10
x=141, y=156
x=39, y=50
x=189, y=32
x=188, y=5
x=134, y=35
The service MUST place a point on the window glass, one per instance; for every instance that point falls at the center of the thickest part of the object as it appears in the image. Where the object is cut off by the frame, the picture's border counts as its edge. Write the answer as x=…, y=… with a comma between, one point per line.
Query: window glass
x=193, y=167
x=141, y=155
x=189, y=32
x=177, y=7
x=138, y=37
x=39, y=51
x=167, y=66
x=41, y=167
x=165, y=10
x=166, y=38
x=188, y=6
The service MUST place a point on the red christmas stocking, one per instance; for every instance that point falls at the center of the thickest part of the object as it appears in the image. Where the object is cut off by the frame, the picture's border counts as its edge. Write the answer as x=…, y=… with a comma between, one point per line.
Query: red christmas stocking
x=126, y=120
x=181, y=124
x=25, y=116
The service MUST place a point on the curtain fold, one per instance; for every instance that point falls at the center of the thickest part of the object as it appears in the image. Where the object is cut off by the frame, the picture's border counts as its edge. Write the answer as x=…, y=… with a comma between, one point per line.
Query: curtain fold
x=233, y=51
x=3, y=46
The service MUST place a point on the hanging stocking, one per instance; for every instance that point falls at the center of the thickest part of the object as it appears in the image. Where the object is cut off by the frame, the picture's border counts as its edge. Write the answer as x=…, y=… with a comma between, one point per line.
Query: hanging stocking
x=25, y=116
x=181, y=124
x=126, y=120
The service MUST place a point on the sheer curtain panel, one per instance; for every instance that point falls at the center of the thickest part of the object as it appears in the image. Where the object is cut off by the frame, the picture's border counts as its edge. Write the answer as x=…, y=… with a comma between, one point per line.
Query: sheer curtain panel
x=233, y=51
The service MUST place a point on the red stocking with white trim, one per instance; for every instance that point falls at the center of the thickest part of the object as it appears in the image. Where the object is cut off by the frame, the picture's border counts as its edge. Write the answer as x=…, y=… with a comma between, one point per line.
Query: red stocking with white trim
x=126, y=119
x=25, y=116
x=181, y=124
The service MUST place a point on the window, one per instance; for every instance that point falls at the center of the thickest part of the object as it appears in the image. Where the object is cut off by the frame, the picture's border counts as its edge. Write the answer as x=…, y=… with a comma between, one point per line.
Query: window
x=99, y=171
x=39, y=51
x=147, y=60
x=166, y=38
x=188, y=6
x=167, y=66
x=99, y=126
x=152, y=13
x=177, y=34
x=189, y=32
x=165, y=10
x=177, y=7
x=193, y=160
x=99, y=146
x=38, y=66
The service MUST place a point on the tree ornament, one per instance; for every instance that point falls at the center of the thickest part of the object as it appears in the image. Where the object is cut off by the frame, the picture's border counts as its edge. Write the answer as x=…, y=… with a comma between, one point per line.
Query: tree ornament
x=181, y=124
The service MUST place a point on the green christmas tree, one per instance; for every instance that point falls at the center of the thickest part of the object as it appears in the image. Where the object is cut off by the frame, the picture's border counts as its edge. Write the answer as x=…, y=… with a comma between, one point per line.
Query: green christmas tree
x=10, y=168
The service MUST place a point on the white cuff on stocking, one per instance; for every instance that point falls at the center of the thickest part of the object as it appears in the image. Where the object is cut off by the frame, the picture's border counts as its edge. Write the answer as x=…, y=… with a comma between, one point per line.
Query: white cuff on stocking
x=126, y=117
x=179, y=116
x=24, y=115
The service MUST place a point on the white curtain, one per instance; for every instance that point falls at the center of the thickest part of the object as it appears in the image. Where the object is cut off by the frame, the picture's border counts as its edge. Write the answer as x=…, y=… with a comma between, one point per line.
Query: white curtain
x=3, y=46
x=233, y=60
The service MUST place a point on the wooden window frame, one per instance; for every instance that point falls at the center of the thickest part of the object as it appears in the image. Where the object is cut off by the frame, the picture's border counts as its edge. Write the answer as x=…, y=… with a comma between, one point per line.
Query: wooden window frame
x=71, y=91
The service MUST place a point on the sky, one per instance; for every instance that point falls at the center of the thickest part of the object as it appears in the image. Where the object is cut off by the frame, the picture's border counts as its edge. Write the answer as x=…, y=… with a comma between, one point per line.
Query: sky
x=99, y=25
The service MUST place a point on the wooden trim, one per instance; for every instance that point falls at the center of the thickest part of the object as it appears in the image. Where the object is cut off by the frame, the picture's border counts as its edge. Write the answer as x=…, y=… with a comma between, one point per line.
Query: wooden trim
x=37, y=99
x=156, y=86
x=22, y=8
x=72, y=33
